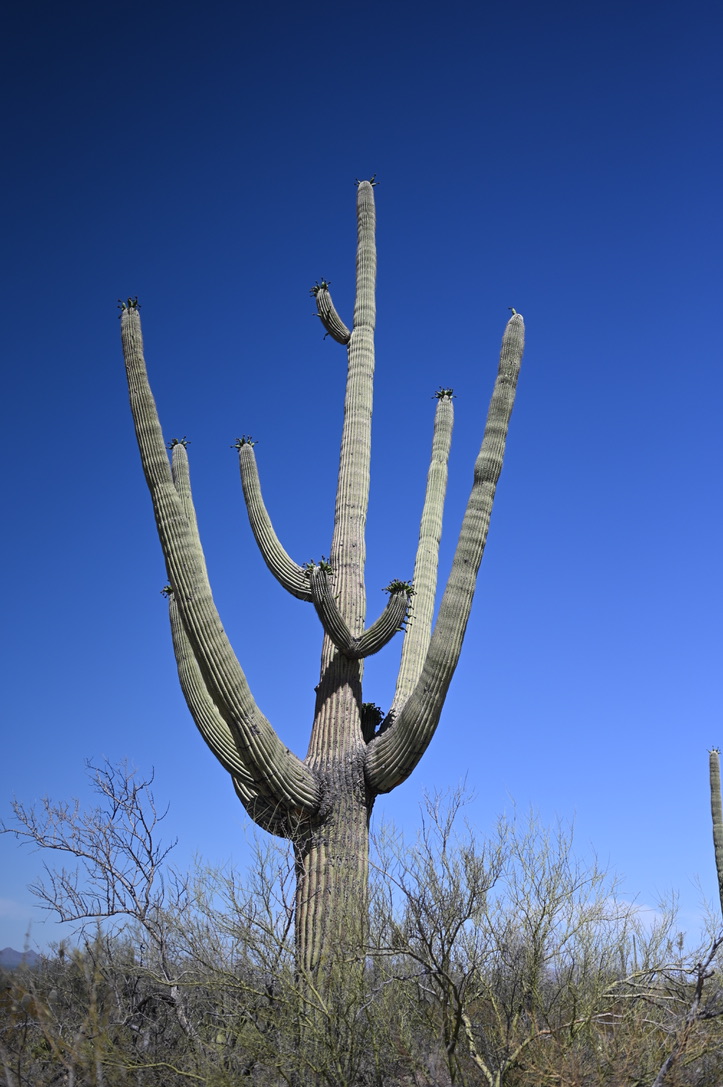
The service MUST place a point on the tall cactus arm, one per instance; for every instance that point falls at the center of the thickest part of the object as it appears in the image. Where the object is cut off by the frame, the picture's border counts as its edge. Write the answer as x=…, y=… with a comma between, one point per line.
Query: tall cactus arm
x=348, y=549
x=210, y=723
x=181, y=475
x=216, y=732
x=419, y=624
x=716, y=809
x=393, y=754
x=293, y=577
x=326, y=310
x=279, y=775
x=376, y=636
x=337, y=721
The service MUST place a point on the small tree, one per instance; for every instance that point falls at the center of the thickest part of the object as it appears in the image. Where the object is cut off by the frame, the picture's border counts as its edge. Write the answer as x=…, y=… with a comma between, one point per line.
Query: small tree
x=510, y=943
x=323, y=803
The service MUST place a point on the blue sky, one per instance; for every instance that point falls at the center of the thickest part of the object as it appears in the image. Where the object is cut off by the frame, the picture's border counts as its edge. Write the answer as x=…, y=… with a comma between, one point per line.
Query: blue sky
x=562, y=160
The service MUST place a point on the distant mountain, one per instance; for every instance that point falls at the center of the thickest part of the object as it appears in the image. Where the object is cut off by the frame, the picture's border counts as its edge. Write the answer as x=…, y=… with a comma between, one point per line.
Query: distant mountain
x=10, y=958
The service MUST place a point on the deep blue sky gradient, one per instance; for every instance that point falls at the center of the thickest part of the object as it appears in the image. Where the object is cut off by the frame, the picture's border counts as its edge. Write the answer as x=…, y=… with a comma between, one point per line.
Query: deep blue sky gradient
x=559, y=159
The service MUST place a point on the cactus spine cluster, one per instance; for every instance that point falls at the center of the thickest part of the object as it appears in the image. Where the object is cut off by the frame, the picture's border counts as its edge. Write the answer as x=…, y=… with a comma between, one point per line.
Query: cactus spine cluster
x=322, y=803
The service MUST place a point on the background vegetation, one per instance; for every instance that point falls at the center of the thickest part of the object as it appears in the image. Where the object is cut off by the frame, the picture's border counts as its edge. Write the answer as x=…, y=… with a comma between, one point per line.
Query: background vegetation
x=501, y=961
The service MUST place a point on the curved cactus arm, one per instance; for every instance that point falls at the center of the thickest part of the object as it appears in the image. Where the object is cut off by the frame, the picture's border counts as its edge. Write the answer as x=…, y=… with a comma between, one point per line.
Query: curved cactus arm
x=216, y=732
x=181, y=475
x=716, y=809
x=327, y=609
x=386, y=626
x=293, y=577
x=326, y=311
x=419, y=624
x=376, y=636
x=278, y=774
x=393, y=754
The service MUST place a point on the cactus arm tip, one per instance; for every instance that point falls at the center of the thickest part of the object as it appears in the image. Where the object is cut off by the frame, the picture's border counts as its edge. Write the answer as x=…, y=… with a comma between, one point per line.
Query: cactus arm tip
x=327, y=313
x=128, y=305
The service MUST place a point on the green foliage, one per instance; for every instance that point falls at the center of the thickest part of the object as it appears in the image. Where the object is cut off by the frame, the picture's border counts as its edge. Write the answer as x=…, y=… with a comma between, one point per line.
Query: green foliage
x=397, y=586
x=129, y=304
x=312, y=565
x=371, y=718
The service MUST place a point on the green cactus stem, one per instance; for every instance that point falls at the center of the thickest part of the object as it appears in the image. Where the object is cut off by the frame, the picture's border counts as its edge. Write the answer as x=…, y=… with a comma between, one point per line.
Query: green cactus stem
x=716, y=810
x=328, y=315
x=376, y=636
x=280, y=776
x=323, y=803
x=392, y=756
x=287, y=572
x=217, y=734
x=419, y=625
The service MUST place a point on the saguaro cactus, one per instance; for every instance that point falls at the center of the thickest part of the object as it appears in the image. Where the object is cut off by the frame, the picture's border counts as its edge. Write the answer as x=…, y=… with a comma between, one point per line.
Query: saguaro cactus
x=716, y=811
x=323, y=802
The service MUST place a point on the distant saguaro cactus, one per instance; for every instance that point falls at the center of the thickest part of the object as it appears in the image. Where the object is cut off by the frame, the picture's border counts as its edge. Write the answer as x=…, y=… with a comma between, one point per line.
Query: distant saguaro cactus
x=323, y=803
x=716, y=811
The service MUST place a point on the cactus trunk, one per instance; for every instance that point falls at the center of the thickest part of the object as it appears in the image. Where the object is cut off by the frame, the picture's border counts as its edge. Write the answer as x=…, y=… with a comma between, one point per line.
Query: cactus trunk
x=323, y=803
x=332, y=862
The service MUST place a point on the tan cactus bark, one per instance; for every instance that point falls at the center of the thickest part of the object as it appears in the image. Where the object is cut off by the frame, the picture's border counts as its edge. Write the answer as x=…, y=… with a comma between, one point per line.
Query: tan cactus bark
x=323, y=803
